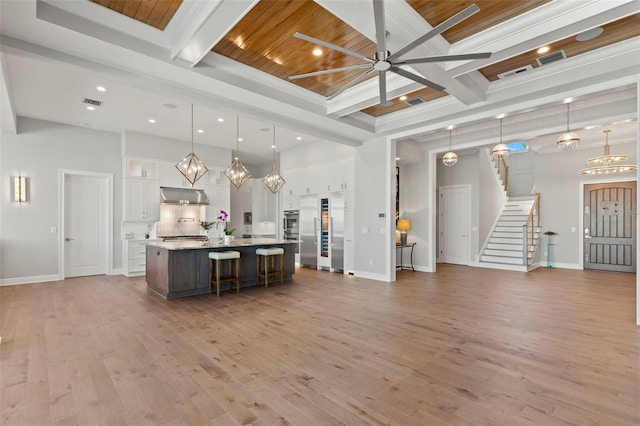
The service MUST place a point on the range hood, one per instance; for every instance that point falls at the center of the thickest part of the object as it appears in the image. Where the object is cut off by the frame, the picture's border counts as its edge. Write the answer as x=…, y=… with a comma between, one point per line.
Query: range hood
x=183, y=196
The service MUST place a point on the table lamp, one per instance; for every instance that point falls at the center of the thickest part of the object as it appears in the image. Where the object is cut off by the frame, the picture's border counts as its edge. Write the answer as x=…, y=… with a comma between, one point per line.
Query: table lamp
x=403, y=226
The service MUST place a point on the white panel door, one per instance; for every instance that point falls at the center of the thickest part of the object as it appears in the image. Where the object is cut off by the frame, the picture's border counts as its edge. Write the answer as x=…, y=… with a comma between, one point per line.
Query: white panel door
x=85, y=225
x=454, y=225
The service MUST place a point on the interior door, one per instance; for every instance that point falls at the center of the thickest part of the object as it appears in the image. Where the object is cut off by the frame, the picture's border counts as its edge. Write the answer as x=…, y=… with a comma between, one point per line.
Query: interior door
x=85, y=225
x=454, y=225
x=610, y=226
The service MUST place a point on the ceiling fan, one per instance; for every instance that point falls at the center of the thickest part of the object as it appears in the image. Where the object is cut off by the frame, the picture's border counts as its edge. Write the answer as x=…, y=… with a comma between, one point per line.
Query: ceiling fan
x=383, y=61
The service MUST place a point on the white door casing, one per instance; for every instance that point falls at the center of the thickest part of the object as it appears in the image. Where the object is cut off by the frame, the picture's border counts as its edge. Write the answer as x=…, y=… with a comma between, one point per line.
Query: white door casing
x=453, y=228
x=86, y=205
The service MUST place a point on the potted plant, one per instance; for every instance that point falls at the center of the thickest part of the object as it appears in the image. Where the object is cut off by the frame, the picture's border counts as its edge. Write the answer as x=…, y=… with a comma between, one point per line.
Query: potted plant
x=227, y=235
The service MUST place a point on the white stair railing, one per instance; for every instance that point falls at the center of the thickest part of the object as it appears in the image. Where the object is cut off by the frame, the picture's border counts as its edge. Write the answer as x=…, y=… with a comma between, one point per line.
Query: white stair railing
x=528, y=229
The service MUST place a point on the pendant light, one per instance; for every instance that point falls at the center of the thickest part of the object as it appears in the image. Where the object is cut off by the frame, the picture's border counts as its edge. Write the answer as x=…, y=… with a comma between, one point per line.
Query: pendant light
x=274, y=180
x=191, y=167
x=500, y=150
x=568, y=140
x=450, y=158
x=237, y=173
x=604, y=164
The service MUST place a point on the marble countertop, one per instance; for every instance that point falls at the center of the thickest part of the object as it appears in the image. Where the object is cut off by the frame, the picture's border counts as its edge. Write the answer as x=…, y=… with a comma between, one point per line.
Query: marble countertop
x=238, y=242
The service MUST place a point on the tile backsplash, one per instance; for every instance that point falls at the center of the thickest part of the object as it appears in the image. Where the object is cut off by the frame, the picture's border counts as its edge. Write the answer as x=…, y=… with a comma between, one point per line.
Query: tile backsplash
x=178, y=220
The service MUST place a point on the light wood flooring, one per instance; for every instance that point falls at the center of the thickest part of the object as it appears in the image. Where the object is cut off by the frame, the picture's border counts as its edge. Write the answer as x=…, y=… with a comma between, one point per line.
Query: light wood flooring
x=463, y=346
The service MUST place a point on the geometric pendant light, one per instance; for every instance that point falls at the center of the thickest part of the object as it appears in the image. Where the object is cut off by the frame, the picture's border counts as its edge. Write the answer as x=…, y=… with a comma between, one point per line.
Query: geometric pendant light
x=273, y=179
x=500, y=150
x=191, y=167
x=604, y=165
x=568, y=140
x=450, y=158
x=237, y=173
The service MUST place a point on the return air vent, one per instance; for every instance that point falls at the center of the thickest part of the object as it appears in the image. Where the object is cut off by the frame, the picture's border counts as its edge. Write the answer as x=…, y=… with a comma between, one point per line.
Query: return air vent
x=415, y=101
x=92, y=102
x=551, y=57
x=515, y=71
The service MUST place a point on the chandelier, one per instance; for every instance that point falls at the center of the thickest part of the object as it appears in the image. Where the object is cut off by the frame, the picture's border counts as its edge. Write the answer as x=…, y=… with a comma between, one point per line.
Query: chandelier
x=568, y=140
x=450, y=158
x=273, y=179
x=604, y=165
x=500, y=150
x=191, y=167
x=237, y=173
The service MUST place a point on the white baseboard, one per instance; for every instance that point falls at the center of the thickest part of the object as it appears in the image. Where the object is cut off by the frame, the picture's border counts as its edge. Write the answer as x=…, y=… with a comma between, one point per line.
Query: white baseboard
x=118, y=271
x=370, y=276
x=561, y=265
x=29, y=280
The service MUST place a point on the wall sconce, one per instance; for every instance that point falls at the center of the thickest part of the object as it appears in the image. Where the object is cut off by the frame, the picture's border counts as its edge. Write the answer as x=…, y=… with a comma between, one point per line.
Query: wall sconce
x=19, y=189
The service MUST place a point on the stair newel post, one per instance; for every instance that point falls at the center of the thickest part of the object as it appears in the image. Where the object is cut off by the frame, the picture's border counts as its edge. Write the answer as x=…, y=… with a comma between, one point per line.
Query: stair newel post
x=525, y=245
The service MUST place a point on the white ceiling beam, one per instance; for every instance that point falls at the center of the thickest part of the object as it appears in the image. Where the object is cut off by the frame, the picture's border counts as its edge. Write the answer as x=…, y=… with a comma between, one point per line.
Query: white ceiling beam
x=544, y=25
x=8, y=118
x=198, y=26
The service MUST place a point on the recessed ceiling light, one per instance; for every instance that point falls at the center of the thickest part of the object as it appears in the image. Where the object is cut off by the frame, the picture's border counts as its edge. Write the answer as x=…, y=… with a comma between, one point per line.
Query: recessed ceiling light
x=503, y=115
x=101, y=89
x=273, y=146
x=543, y=49
x=317, y=52
x=170, y=106
x=591, y=127
x=200, y=131
x=91, y=108
x=220, y=120
x=152, y=121
x=568, y=100
x=403, y=98
x=397, y=158
x=240, y=139
x=299, y=138
x=589, y=34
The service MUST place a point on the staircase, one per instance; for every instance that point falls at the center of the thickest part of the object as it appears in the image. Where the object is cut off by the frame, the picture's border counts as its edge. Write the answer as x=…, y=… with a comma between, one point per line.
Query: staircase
x=515, y=228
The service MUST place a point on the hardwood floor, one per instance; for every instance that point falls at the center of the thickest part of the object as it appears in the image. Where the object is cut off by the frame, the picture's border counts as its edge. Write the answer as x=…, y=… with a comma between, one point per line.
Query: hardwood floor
x=464, y=346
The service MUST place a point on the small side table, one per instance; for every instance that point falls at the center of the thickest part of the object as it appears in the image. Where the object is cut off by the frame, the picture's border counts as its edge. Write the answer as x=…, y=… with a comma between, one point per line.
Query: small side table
x=401, y=264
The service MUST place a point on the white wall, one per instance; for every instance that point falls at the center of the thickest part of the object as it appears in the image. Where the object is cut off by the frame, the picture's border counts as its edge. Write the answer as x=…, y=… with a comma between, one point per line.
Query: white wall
x=374, y=182
x=313, y=153
x=38, y=151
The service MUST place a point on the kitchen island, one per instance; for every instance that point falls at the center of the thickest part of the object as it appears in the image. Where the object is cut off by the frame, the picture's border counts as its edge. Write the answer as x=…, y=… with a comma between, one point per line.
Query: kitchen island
x=181, y=268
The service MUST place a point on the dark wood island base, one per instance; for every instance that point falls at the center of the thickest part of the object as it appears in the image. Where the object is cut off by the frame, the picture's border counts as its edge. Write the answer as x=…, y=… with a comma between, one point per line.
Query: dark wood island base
x=179, y=269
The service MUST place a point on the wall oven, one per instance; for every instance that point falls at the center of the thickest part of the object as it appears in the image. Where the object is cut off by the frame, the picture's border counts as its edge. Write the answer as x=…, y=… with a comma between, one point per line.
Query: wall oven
x=290, y=227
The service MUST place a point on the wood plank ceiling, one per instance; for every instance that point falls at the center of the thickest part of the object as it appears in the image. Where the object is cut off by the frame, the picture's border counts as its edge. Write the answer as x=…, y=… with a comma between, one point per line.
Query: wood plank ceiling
x=264, y=40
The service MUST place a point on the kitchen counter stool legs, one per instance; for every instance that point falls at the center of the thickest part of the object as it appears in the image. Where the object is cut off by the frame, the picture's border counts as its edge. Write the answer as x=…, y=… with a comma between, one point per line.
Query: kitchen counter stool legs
x=268, y=257
x=216, y=260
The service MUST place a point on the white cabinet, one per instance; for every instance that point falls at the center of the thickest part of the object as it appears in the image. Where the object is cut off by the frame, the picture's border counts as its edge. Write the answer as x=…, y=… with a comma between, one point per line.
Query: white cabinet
x=338, y=175
x=219, y=199
x=141, y=200
x=141, y=168
x=170, y=176
x=135, y=257
x=291, y=192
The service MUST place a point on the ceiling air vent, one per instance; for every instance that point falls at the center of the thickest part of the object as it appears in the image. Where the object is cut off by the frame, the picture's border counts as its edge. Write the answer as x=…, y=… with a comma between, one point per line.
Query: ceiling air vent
x=92, y=102
x=415, y=101
x=551, y=57
x=516, y=71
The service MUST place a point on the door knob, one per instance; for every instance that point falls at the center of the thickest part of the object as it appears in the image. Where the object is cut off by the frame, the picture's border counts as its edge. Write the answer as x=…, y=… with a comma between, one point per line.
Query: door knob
x=69, y=239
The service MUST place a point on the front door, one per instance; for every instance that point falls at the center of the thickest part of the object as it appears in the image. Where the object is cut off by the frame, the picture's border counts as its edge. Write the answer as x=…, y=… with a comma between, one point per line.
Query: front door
x=85, y=225
x=610, y=226
x=453, y=225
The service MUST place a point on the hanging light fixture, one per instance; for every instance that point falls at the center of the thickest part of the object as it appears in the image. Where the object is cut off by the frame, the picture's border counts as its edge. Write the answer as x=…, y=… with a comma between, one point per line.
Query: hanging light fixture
x=568, y=140
x=237, y=172
x=604, y=164
x=191, y=167
x=274, y=180
x=450, y=158
x=500, y=150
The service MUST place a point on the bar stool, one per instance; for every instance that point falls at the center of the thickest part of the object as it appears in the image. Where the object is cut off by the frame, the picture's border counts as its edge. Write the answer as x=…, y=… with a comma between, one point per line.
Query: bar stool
x=218, y=257
x=269, y=255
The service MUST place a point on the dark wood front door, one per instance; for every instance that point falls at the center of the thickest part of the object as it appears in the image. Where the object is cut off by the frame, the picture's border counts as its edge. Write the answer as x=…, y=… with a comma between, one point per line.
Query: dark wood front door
x=610, y=226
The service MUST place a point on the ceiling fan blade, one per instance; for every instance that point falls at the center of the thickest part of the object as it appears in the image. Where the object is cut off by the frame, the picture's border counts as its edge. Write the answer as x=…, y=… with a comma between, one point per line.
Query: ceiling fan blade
x=353, y=82
x=445, y=58
x=382, y=81
x=333, y=46
x=455, y=19
x=416, y=78
x=378, y=14
x=313, y=74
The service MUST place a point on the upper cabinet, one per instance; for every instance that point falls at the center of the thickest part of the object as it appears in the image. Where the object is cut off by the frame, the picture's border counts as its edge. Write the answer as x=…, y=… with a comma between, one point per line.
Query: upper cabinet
x=141, y=168
x=218, y=189
x=336, y=176
x=141, y=200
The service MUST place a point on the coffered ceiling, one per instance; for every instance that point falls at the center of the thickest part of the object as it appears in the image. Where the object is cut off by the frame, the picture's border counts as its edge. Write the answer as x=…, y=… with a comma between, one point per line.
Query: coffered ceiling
x=236, y=56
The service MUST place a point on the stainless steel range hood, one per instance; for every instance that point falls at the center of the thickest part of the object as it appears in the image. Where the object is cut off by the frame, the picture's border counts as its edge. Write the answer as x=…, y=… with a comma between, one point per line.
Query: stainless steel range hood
x=183, y=196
